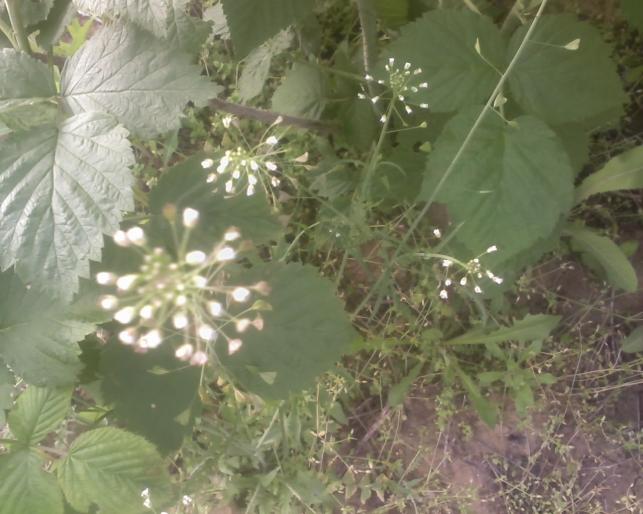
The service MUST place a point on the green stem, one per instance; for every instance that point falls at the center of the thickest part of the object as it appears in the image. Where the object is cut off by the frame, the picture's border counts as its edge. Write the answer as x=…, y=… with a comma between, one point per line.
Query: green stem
x=5, y=28
x=375, y=154
x=416, y=222
x=18, y=27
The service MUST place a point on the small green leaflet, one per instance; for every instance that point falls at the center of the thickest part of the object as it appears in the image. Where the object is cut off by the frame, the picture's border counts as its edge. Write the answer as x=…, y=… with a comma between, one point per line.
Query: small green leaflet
x=38, y=335
x=530, y=328
x=443, y=44
x=139, y=79
x=511, y=186
x=625, y=171
x=37, y=412
x=634, y=342
x=545, y=81
x=303, y=92
x=149, y=14
x=25, y=488
x=110, y=467
x=62, y=188
x=253, y=22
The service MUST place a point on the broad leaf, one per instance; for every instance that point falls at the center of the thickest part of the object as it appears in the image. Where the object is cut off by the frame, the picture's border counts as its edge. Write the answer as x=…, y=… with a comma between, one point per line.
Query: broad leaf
x=184, y=31
x=31, y=11
x=545, y=81
x=511, y=185
x=625, y=171
x=305, y=332
x=153, y=394
x=37, y=412
x=61, y=189
x=25, y=488
x=38, y=335
x=27, y=90
x=617, y=267
x=530, y=328
x=149, y=14
x=141, y=80
x=443, y=44
x=110, y=467
x=634, y=342
x=253, y=22
x=303, y=92
x=53, y=28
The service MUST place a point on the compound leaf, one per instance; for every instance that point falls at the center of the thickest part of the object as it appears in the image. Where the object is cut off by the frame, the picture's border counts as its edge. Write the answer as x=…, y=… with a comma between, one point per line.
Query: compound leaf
x=511, y=185
x=149, y=14
x=443, y=44
x=37, y=412
x=25, y=488
x=252, y=22
x=110, y=467
x=61, y=188
x=305, y=333
x=139, y=79
x=562, y=54
x=38, y=335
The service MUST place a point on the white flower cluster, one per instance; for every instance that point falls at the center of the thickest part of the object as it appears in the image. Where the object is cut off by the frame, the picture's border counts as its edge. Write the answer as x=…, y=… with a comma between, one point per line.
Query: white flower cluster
x=244, y=169
x=466, y=274
x=186, y=295
x=400, y=82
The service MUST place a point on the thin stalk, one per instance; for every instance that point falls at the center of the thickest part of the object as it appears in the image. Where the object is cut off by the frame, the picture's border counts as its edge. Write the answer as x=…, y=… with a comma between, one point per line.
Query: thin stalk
x=5, y=28
x=16, y=24
x=368, y=23
x=375, y=154
x=416, y=222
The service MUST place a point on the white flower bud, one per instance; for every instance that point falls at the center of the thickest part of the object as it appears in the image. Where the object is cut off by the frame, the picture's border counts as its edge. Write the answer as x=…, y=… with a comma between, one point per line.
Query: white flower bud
x=151, y=340
x=242, y=325
x=127, y=336
x=105, y=278
x=492, y=249
x=477, y=289
x=125, y=315
x=206, y=332
x=207, y=164
x=241, y=294
x=136, y=236
x=180, y=320
x=444, y=294
x=234, y=345
x=226, y=254
x=190, y=217
x=215, y=308
x=108, y=302
x=125, y=282
x=146, y=312
x=120, y=238
x=184, y=352
x=232, y=234
x=271, y=166
x=463, y=281
x=200, y=281
x=272, y=141
x=199, y=359
x=196, y=257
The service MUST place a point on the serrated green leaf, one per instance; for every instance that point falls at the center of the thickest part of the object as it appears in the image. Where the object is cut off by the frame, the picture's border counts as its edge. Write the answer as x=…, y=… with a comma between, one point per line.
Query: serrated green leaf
x=37, y=412
x=442, y=43
x=253, y=22
x=617, y=267
x=184, y=185
x=625, y=171
x=257, y=65
x=38, y=335
x=304, y=333
x=53, y=28
x=110, y=468
x=545, y=80
x=303, y=92
x=634, y=342
x=511, y=185
x=141, y=80
x=184, y=31
x=145, y=402
x=63, y=187
x=149, y=14
x=25, y=488
x=530, y=328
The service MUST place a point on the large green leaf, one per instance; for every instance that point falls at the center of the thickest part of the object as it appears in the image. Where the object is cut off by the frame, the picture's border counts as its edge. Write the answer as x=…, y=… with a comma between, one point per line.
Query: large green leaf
x=27, y=90
x=53, y=28
x=618, y=269
x=25, y=488
x=305, y=332
x=61, y=189
x=37, y=412
x=530, y=328
x=547, y=79
x=443, y=44
x=38, y=335
x=149, y=14
x=110, y=468
x=303, y=92
x=252, y=22
x=32, y=11
x=144, y=82
x=509, y=188
x=184, y=31
x=625, y=171
x=185, y=186
x=153, y=393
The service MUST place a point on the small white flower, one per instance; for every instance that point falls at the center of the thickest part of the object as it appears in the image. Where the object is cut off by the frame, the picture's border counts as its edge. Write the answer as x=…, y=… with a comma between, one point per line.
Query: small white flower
x=272, y=141
x=128, y=337
x=407, y=65
x=206, y=332
x=108, y=302
x=180, y=300
x=424, y=106
x=463, y=281
x=190, y=217
x=206, y=164
x=254, y=166
x=368, y=78
x=250, y=190
x=446, y=263
x=498, y=280
x=241, y=294
x=147, y=503
x=232, y=234
x=437, y=233
x=275, y=181
x=242, y=325
x=227, y=121
x=408, y=109
x=145, y=493
x=215, y=308
x=200, y=282
x=184, y=352
x=186, y=500
x=229, y=186
x=492, y=249
x=180, y=320
x=234, y=345
x=477, y=290
x=383, y=118
x=417, y=71
x=226, y=254
x=120, y=238
x=105, y=278
x=375, y=99
x=146, y=312
x=271, y=166
x=125, y=315
x=136, y=236
x=151, y=340
x=448, y=282
x=125, y=282
x=361, y=96
x=199, y=358
x=424, y=85
x=223, y=164
x=444, y=294
x=196, y=257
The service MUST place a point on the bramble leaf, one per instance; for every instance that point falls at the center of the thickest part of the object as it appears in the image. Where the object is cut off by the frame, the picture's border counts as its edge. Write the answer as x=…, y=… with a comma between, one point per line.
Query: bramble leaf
x=25, y=488
x=545, y=81
x=184, y=31
x=62, y=188
x=149, y=14
x=443, y=44
x=303, y=92
x=110, y=467
x=511, y=185
x=141, y=80
x=37, y=412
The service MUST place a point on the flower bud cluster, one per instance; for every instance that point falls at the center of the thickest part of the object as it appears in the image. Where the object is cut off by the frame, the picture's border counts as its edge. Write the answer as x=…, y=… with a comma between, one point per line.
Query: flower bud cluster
x=466, y=274
x=187, y=295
